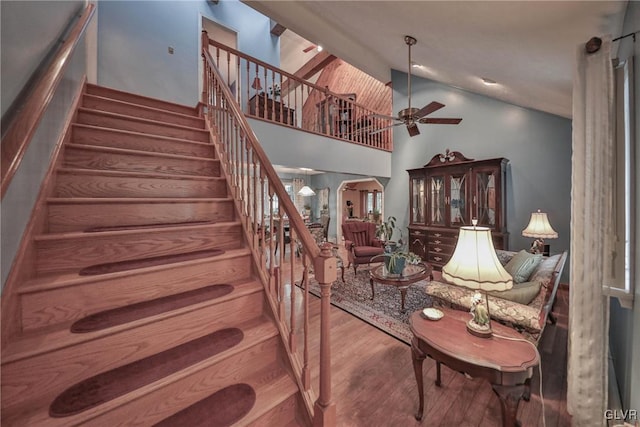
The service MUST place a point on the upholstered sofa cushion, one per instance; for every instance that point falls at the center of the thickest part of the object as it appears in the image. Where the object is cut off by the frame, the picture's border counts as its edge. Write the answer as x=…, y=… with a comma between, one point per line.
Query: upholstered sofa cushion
x=527, y=318
x=522, y=293
x=367, y=251
x=522, y=265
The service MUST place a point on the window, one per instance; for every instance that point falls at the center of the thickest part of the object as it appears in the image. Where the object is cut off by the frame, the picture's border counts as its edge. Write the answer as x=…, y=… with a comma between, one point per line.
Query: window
x=288, y=186
x=625, y=203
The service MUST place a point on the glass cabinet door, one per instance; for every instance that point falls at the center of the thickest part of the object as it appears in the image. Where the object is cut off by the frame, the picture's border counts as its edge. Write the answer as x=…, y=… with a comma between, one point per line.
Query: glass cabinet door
x=436, y=200
x=457, y=200
x=486, y=198
x=417, y=200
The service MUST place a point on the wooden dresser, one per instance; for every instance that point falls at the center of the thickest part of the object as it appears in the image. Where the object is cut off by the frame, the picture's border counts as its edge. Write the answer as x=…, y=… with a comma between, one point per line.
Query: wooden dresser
x=264, y=107
x=446, y=194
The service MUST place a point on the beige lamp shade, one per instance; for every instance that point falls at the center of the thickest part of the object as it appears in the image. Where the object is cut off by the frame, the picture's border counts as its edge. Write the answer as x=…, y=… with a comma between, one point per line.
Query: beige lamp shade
x=474, y=263
x=539, y=227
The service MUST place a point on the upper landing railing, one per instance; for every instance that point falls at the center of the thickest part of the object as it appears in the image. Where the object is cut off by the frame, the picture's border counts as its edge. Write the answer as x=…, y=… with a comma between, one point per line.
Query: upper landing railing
x=269, y=93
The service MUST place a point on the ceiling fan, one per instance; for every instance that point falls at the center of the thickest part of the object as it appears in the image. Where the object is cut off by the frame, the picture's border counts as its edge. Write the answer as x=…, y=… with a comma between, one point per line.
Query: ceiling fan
x=410, y=117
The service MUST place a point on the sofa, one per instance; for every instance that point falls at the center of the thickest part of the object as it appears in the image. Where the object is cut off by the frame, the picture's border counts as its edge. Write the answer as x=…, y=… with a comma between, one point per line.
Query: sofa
x=529, y=319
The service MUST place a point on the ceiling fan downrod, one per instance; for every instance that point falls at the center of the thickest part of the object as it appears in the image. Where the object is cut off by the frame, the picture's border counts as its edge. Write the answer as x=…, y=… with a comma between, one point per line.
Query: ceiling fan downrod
x=410, y=41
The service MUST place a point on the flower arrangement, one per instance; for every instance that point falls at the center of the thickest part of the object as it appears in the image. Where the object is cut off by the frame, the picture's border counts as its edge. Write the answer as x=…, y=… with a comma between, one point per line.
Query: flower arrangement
x=274, y=90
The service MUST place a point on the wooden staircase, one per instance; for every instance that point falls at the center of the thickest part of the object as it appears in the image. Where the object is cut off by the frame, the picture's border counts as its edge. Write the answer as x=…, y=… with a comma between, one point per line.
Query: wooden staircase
x=137, y=179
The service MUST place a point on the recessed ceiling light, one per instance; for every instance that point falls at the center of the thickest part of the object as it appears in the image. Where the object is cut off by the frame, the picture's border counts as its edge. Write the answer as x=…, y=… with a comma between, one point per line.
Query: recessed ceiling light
x=416, y=65
x=489, y=82
x=305, y=169
x=319, y=48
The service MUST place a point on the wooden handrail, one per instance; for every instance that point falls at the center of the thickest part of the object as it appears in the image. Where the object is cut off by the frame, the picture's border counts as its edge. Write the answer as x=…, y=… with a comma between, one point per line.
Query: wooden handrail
x=23, y=126
x=252, y=180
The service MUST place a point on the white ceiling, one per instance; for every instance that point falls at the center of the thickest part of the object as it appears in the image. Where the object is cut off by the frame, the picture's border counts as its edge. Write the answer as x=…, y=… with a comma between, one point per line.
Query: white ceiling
x=528, y=47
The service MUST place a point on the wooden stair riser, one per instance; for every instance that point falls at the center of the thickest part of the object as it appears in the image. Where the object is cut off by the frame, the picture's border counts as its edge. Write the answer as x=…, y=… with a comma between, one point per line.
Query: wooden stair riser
x=90, y=135
x=69, y=216
x=139, y=99
x=73, y=184
x=46, y=307
x=110, y=120
x=281, y=415
x=135, y=110
x=40, y=378
x=87, y=158
x=78, y=251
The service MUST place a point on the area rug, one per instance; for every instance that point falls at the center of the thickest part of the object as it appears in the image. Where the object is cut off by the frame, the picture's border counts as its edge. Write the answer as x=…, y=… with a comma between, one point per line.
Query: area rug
x=384, y=312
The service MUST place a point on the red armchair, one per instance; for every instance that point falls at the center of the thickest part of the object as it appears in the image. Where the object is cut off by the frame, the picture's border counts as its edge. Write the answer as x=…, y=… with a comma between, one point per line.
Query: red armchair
x=361, y=242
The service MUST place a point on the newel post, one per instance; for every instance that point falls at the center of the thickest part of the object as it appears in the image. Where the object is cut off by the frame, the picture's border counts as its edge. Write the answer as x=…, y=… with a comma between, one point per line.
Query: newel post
x=324, y=413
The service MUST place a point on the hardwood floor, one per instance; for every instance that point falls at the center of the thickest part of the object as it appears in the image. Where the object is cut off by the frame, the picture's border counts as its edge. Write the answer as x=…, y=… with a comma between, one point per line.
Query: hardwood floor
x=373, y=383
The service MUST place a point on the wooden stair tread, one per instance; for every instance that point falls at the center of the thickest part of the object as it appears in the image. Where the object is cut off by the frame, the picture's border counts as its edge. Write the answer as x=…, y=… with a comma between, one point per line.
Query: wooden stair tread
x=142, y=134
x=139, y=119
x=59, y=280
x=256, y=332
x=92, y=88
x=134, y=264
x=141, y=106
x=144, y=226
x=116, y=382
x=229, y=405
x=135, y=174
x=82, y=235
x=126, y=151
x=103, y=200
x=121, y=315
x=59, y=336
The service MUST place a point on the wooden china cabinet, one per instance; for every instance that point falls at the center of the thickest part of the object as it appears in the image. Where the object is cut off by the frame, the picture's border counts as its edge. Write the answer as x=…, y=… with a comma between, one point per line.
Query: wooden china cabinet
x=446, y=194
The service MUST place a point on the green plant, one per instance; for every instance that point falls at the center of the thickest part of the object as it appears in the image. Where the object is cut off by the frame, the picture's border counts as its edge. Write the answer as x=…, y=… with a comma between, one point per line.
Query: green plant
x=398, y=259
x=385, y=229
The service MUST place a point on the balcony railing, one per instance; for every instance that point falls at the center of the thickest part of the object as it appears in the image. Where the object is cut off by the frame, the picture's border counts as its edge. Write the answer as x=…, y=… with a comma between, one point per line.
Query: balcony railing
x=272, y=94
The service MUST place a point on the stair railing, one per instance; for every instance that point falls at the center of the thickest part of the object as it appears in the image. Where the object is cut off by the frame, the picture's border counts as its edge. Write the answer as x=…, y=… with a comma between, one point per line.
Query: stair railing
x=272, y=94
x=24, y=123
x=266, y=211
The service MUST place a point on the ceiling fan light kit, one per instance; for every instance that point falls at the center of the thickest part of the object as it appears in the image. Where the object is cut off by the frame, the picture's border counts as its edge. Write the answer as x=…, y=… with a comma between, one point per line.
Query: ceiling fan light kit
x=411, y=116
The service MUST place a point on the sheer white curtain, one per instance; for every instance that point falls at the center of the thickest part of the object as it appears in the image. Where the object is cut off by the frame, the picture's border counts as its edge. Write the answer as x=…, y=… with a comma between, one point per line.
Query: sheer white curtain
x=591, y=235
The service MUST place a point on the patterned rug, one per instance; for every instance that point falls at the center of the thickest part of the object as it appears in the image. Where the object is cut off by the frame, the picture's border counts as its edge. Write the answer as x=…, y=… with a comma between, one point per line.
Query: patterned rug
x=384, y=312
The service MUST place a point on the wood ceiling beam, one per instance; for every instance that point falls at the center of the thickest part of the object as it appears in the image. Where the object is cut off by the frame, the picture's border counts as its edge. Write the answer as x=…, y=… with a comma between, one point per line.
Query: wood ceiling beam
x=314, y=65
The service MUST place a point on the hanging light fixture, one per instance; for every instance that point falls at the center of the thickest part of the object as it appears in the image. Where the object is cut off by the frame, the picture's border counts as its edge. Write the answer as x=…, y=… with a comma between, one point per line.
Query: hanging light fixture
x=306, y=191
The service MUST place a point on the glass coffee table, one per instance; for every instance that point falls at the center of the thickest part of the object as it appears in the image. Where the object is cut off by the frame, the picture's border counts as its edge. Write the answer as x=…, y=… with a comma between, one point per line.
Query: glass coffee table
x=412, y=273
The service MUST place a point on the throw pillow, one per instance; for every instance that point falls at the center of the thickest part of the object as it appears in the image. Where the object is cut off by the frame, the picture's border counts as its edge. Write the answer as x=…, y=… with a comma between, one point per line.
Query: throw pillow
x=522, y=293
x=522, y=265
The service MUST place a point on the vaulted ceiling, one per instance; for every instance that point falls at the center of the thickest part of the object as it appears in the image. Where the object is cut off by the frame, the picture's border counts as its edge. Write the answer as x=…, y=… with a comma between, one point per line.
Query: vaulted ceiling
x=526, y=47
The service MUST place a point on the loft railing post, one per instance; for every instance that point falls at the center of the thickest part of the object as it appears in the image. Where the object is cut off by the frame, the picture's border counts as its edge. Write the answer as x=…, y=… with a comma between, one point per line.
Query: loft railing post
x=325, y=272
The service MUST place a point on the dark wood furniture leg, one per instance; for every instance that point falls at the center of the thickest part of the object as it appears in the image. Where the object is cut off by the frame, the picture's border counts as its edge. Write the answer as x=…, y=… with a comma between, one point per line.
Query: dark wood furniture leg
x=373, y=290
x=418, y=357
x=509, y=398
x=342, y=273
x=438, y=382
x=403, y=294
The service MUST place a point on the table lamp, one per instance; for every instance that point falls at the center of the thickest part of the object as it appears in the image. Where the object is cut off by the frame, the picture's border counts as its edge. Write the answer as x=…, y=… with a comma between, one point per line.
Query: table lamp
x=539, y=228
x=475, y=265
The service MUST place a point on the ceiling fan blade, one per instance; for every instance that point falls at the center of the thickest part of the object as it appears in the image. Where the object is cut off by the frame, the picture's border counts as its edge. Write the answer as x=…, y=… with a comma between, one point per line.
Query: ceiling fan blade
x=429, y=108
x=443, y=121
x=413, y=129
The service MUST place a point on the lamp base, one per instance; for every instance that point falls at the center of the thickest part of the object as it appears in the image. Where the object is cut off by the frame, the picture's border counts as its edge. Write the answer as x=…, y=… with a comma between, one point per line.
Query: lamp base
x=480, y=331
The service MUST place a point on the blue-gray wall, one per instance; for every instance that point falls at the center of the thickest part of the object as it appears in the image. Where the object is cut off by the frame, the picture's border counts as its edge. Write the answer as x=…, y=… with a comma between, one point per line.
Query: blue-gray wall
x=538, y=146
x=624, y=326
x=134, y=37
x=33, y=28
